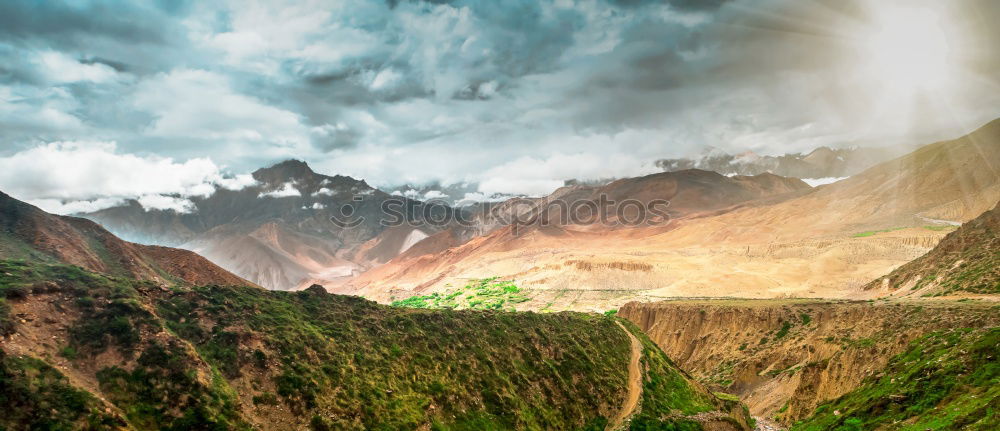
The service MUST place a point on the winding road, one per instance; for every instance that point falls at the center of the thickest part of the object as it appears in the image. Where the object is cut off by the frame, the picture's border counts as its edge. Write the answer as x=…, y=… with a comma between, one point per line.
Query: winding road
x=634, y=383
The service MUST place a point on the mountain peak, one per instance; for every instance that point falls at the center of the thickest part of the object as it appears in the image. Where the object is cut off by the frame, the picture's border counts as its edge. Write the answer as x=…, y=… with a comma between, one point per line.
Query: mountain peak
x=290, y=169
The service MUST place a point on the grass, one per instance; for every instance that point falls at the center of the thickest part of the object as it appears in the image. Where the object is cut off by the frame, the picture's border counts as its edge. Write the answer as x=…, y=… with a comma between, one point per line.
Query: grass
x=785, y=327
x=944, y=381
x=666, y=389
x=389, y=364
x=194, y=357
x=874, y=232
x=37, y=396
x=483, y=294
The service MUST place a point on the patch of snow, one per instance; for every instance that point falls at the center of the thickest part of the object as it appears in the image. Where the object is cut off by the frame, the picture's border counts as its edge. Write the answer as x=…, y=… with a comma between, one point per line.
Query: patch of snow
x=414, y=237
x=816, y=182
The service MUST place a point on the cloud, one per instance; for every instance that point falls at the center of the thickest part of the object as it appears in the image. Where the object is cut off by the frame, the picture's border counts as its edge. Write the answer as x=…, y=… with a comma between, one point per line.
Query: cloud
x=200, y=104
x=434, y=194
x=162, y=202
x=237, y=182
x=325, y=192
x=28, y=111
x=538, y=177
x=76, y=176
x=60, y=68
x=286, y=190
x=57, y=206
x=467, y=89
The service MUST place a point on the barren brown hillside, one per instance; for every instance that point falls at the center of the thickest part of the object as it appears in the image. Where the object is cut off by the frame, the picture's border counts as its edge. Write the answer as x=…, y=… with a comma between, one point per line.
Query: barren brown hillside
x=825, y=242
x=27, y=232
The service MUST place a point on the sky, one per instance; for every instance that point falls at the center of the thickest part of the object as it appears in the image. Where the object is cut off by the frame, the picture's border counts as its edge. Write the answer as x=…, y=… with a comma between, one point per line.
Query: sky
x=102, y=101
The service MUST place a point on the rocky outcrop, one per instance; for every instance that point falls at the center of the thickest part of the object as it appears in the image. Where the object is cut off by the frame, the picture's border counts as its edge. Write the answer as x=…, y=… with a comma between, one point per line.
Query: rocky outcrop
x=784, y=357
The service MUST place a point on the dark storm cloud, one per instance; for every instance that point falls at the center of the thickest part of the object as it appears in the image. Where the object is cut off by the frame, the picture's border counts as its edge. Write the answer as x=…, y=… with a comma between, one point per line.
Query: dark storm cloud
x=66, y=22
x=519, y=93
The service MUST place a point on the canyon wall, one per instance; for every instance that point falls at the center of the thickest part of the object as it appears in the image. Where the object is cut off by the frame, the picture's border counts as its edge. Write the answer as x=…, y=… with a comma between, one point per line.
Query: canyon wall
x=784, y=357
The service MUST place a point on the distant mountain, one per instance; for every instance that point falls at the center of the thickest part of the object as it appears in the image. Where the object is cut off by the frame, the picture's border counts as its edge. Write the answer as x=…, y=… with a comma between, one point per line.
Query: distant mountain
x=965, y=261
x=27, y=232
x=835, y=238
x=944, y=182
x=823, y=162
x=278, y=233
x=690, y=193
x=455, y=195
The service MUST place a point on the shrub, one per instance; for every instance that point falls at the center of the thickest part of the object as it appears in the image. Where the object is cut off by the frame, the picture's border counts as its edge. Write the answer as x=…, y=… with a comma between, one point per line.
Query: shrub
x=785, y=327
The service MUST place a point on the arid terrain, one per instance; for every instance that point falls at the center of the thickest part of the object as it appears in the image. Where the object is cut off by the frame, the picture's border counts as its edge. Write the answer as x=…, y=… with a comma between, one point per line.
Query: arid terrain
x=825, y=242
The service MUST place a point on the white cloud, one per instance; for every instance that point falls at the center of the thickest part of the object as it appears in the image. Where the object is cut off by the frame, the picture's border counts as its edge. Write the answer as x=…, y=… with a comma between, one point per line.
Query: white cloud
x=57, y=206
x=325, y=191
x=237, y=182
x=318, y=206
x=67, y=177
x=385, y=79
x=201, y=105
x=60, y=68
x=434, y=194
x=161, y=202
x=287, y=190
x=537, y=177
x=33, y=109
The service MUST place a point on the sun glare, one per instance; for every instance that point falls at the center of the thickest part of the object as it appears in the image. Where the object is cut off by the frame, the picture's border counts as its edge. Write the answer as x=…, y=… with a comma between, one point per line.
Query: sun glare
x=909, y=48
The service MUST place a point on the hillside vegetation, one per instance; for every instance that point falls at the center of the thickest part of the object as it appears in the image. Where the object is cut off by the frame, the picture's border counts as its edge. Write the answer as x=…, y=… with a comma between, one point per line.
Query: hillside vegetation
x=967, y=260
x=106, y=351
x=945, y=381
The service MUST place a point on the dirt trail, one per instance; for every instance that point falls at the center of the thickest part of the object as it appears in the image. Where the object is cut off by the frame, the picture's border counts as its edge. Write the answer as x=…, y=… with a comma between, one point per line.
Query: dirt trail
x=634, y=383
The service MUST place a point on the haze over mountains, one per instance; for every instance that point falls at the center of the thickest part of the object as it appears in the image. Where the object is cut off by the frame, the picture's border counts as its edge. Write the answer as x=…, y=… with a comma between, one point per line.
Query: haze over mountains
x=823, y=241
x=277, y=233
x=823, y=162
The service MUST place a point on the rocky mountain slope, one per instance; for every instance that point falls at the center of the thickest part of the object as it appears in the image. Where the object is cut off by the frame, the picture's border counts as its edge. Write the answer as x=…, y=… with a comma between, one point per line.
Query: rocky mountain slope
x=965, y=261
x=27, y=232
x=278, y=233
x=530, y=226
x=946, y=380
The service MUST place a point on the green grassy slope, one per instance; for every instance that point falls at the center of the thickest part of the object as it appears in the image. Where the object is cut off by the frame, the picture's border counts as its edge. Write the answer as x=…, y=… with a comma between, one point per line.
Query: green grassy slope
x=944, y=381
x=967, y=260
x=243, y=357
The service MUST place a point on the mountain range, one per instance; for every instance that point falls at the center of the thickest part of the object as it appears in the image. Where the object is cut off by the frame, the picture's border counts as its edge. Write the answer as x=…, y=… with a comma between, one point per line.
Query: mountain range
x=278, y=232
x=827, y=241
x=823, y=162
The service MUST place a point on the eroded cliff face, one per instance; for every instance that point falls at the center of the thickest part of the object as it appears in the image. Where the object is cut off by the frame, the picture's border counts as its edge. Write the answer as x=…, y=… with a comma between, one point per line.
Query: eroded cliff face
x=784, y=357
